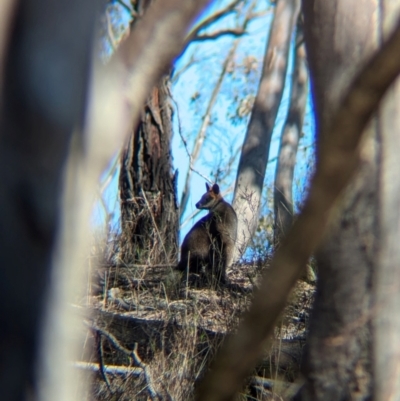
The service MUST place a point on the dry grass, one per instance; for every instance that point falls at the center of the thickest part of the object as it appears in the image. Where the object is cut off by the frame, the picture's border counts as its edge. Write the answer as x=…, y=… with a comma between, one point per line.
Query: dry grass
x=174, y=331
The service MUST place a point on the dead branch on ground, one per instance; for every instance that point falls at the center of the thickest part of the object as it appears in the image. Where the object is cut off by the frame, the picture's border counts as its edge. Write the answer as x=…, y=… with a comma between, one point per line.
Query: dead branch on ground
x=133, y=356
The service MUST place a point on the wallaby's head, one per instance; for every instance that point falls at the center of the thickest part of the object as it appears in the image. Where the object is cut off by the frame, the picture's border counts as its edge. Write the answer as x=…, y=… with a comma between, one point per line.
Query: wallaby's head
x=210, y=198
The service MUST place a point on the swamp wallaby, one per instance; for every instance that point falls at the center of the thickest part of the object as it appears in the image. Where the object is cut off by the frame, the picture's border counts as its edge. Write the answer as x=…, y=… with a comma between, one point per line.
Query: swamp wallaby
x=208, y=247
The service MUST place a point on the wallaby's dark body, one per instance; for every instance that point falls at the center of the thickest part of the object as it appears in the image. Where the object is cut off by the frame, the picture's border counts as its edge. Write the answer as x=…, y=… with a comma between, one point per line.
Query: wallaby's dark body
x=209, y=246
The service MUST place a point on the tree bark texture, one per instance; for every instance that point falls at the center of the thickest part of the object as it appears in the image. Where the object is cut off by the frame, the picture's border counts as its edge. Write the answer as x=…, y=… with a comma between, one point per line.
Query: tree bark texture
x=255, y=151
x=149, y=208
x=386, y=281
x=44, y=92
x=340, y=36
x=283, y=198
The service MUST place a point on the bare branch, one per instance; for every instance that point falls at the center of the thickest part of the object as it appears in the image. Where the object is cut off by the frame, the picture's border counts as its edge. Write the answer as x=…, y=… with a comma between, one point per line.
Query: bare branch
x=134, y=356
x=338, y=158
x=201, y=134
x=211, y=19
x=215, y=35
x=191, y=164
x=260, y=14
x=109, y=369
x=99, y=344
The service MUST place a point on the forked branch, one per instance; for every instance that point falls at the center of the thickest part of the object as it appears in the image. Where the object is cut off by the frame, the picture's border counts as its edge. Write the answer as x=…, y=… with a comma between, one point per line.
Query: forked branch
x=135, y=359
x=211, y=19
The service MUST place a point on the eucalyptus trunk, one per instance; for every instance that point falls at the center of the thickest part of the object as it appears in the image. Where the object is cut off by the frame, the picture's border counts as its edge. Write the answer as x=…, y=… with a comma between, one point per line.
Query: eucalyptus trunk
x=337, y=363
x=283, y=194
x=147, y=186
x=254, y=156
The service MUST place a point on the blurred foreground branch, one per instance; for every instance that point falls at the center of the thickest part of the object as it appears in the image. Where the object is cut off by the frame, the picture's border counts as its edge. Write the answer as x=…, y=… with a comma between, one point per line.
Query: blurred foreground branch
x=120, y=88
x=337, y=161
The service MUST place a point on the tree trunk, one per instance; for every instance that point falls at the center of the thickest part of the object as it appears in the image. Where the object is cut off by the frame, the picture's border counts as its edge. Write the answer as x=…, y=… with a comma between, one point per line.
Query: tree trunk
x=283, y=198
x=386, y=281
x=340, y=36
x=149, y=209
x=255, y=151
x=43, y=95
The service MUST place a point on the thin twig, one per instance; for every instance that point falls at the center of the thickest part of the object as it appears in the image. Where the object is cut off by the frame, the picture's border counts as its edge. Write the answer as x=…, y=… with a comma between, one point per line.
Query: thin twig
x=191, y=167
x=186, y=147
x=99, y=342
x=109, y=369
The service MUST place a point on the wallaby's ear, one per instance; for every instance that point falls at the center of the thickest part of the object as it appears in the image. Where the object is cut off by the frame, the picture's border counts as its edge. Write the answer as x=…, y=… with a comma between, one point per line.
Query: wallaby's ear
x=215, y=189
x=208, y=187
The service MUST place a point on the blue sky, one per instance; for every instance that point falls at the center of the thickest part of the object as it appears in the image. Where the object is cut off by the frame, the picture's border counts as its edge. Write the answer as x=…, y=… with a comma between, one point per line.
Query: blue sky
x=200, y=79
x=226, y=133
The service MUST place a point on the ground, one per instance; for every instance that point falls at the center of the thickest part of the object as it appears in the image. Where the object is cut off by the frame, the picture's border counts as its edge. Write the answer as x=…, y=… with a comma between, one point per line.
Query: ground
x=149, y=338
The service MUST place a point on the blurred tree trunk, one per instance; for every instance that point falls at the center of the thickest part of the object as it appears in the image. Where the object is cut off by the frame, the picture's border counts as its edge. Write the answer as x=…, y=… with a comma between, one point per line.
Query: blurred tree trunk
x=338, y=359
x=386, y=280
x=283, y=198
x=255, y=151
x=42, y=102
x=149, y=208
